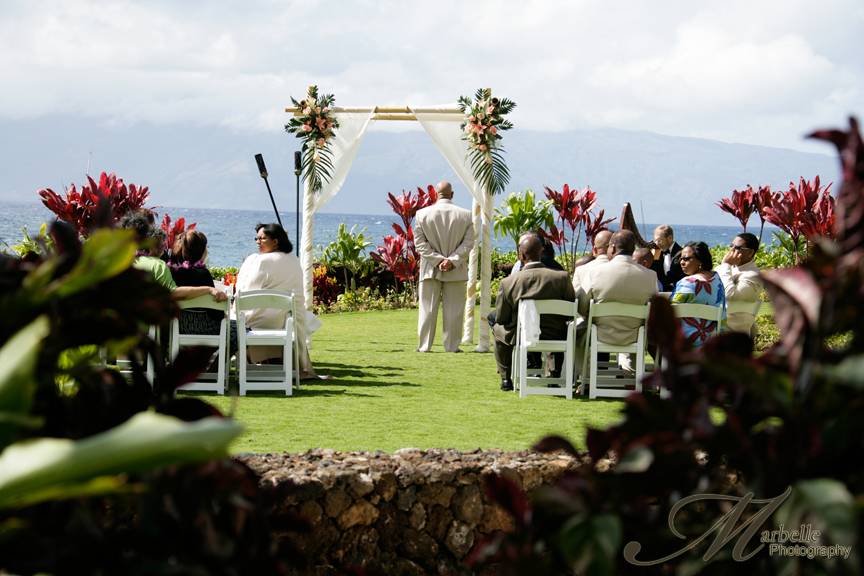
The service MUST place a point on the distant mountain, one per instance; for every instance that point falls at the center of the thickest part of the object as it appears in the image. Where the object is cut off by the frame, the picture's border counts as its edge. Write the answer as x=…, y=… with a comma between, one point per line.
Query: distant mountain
x=671, y=179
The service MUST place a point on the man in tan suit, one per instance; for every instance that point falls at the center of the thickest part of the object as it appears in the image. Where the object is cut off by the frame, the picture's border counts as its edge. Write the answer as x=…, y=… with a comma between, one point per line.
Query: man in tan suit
x=533, y=282
x=598, y=251
x=443, y=235
x=741, y=280
x=621, y=280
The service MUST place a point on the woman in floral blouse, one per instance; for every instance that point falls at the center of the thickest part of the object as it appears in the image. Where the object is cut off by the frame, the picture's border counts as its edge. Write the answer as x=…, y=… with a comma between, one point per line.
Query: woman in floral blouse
x=701, y=285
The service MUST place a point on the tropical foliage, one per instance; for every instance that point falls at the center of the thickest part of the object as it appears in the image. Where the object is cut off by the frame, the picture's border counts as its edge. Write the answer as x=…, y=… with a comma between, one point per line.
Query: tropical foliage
x=520, y=213
x=174, y=229
x=484, y=122
x=803, y=212
x=733, y=425
x=399, y=254
x=574, y=210
x=96, y=204
x=348, y=252
x=315, y=126
x=81, y=445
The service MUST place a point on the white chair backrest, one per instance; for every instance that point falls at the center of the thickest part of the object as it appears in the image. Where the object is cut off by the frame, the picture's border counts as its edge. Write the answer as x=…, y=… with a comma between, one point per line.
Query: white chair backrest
x=701, y=311
x=740, y=306
x=557, y=307
x=599, y=309
x=205, y=301
x=254, y=299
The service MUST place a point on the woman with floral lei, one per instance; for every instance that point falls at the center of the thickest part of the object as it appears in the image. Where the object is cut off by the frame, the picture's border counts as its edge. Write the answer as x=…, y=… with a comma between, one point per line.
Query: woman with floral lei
x=315, y=125
x=188, y=269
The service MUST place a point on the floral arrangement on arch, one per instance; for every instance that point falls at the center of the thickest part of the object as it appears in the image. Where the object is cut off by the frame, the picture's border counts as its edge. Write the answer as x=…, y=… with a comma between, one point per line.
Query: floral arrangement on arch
x=484, y=122
x=315, y=125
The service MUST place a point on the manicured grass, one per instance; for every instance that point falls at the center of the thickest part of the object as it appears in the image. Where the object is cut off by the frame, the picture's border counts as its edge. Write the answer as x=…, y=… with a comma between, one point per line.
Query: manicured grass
x=386, y=396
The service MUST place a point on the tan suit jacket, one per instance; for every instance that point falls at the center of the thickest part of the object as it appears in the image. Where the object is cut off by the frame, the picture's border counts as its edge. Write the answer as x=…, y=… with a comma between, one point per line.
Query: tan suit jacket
x=533, y=282
x=580, y=275
x=742, y=284
x=621, y=280
x=444, y=231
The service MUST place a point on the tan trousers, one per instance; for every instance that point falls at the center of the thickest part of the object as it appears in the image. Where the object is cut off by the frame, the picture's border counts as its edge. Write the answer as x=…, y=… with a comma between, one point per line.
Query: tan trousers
x=451, y=295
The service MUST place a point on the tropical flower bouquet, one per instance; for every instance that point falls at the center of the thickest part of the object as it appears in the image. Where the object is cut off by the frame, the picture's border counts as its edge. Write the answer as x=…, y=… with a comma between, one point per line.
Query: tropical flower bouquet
x=315, y=125
x=484, y=122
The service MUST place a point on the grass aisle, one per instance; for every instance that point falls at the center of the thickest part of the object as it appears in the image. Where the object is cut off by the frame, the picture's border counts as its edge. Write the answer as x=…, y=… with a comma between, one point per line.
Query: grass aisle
x=386, y=396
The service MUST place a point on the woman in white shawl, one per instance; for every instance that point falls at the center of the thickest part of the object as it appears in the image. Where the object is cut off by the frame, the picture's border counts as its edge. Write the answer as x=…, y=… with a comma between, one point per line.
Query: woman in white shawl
x=275, y=267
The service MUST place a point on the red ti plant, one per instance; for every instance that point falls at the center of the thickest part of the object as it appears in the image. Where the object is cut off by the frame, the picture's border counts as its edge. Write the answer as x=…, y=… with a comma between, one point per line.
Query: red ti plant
x=573, y=209
x=172, y=231
x=97, y=204
x=806, y=210
x=595, y=224
x=740, y=205
x=405, y=264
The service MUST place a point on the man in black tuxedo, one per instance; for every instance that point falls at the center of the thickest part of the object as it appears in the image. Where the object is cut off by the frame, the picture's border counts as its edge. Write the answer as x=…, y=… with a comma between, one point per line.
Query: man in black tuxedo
x=666, y=251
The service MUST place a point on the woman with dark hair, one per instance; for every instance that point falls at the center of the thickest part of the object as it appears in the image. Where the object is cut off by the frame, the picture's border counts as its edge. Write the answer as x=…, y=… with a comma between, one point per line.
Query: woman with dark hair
x=188, y=269
x=275, y=267
x=700, y=285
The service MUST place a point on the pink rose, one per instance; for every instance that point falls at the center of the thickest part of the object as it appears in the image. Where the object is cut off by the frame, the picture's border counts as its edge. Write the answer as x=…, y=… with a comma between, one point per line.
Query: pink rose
x=480, y=116
x=493, y=130
x=471, y=118
x=307, y=111
x=306, y=128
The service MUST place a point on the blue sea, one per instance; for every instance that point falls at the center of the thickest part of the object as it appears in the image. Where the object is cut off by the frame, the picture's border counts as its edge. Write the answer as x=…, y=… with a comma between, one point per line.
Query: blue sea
x=231, y=233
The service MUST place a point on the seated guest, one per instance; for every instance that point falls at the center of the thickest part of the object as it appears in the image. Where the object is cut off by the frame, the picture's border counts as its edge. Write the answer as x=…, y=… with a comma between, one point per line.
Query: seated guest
x=701, y=285
x=645, y=258
x=665, y=251
x=275, y=267
x=142, y=223
x=620, y=280
x=548, y=258
x=599, y=252
x=534, y=282
x=740, y=278
x=188, y=269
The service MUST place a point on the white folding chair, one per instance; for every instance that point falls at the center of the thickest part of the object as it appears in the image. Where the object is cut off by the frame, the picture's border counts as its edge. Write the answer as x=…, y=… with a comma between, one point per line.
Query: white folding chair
x=124, y=366
x=207, y=381
x=532, y=381
x=268, y=376
x=743, y=306
x=613, y=384
x=699, y=312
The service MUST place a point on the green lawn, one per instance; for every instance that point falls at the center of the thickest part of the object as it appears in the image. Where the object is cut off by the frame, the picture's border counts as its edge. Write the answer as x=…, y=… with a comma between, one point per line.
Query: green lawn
x=386, y=396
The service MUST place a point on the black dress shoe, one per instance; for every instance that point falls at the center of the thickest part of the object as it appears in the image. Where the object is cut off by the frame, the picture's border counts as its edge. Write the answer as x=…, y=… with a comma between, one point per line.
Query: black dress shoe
x=506, y=385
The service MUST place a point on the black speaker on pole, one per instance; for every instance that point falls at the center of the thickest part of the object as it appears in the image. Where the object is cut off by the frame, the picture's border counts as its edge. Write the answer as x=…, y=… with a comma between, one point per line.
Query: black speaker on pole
x=262, y=169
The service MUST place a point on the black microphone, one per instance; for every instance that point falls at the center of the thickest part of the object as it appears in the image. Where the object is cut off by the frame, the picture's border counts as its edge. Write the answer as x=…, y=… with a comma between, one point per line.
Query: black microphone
x=261, y=167
x=297, y=163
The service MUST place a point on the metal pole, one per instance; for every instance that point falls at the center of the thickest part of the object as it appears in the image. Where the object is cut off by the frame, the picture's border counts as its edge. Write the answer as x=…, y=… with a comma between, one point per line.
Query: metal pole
x=278, y=219
x=297, y=171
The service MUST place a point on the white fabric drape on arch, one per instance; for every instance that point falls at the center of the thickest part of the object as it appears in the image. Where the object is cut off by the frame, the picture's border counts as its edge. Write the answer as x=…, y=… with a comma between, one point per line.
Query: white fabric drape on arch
x=444, y=131
x=346, y=142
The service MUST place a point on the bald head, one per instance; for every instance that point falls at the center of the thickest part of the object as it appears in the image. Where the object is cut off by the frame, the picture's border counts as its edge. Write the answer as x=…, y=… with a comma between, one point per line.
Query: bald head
x=444, y=189
x=530, y=248
x=643, y=257
x=601, y=242
x=622, y=242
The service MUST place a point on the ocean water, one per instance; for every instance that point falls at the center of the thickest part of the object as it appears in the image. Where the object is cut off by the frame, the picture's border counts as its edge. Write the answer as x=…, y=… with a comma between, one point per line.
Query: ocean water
x=230, y=233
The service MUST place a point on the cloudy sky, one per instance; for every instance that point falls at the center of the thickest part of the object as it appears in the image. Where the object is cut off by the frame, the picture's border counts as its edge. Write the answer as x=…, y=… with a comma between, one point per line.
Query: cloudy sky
x=757, y=72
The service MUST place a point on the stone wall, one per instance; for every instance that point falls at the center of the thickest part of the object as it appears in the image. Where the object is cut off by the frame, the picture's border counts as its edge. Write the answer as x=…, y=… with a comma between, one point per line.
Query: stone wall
x=412, y=512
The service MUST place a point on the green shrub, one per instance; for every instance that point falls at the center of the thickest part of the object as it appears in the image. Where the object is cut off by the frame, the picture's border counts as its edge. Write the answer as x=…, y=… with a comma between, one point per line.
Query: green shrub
x=218, y=272
x=364, y=298
x=348, y=252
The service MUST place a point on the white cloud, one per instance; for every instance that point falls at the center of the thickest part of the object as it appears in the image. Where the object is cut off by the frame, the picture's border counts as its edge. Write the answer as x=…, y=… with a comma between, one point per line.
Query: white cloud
x=759, y=73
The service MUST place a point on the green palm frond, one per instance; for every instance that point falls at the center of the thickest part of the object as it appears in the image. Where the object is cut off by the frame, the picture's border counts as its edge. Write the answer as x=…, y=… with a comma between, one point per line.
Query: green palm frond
x=484, y=124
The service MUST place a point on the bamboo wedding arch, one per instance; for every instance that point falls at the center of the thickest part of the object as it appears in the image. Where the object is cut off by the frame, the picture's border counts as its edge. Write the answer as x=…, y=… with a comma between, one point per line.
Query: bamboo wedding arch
x=481, y=212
